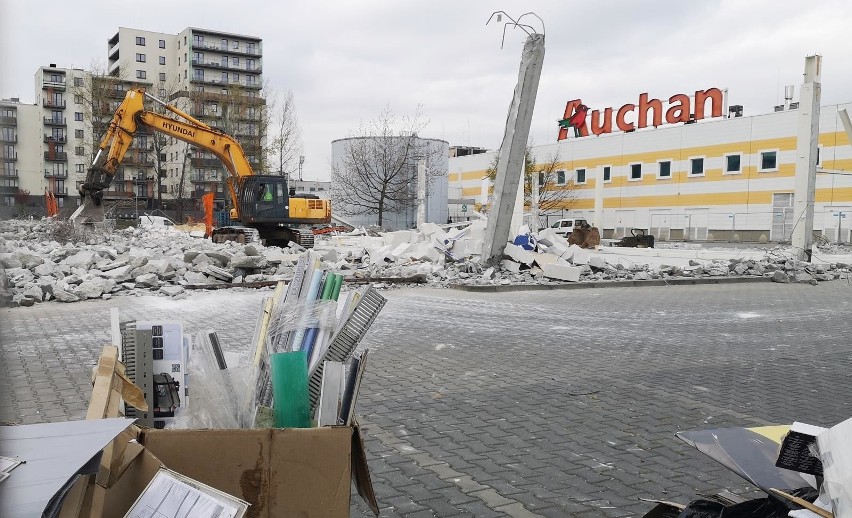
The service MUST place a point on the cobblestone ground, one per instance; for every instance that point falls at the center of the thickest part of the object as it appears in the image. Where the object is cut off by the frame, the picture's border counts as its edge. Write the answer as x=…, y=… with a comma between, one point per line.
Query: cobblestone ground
x=561, y=403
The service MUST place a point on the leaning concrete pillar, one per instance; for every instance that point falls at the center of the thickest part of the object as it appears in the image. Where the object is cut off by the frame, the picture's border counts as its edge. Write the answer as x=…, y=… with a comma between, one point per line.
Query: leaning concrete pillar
x=511, y=157
x=806, y=157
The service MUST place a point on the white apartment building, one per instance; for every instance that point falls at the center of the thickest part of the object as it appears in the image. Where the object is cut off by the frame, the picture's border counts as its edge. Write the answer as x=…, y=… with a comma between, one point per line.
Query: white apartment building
x=214, y=76
x=318, y=188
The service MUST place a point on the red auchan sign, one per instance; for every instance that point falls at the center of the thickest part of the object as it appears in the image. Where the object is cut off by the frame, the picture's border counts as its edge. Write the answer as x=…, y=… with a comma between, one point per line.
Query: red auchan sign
x=648, y=112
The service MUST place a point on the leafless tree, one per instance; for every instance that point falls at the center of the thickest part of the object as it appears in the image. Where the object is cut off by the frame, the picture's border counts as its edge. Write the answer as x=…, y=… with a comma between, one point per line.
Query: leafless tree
x=557, y=190
x=378, y=171
x=286, y=145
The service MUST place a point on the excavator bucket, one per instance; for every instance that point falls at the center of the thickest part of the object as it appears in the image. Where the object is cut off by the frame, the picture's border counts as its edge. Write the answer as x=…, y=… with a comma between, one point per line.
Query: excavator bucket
x=90, y=212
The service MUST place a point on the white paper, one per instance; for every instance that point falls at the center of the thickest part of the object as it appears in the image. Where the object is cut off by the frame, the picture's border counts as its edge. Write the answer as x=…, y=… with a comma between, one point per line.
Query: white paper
x=168, y=497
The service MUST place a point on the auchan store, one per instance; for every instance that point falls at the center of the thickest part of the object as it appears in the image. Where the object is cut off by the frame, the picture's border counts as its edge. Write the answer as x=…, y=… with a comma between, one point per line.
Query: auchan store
x=686, y=167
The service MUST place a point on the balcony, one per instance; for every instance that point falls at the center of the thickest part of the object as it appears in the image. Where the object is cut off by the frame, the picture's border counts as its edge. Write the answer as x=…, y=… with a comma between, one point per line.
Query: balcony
x=226, y=66
x=9, y=140
x=9, y=157
x=9, y=121
x=47, y=103
x=48, y=139
x=61, y=192
x=138, y=160
x=56, y=85
x=9, y=189
x=54, y=174
x=205, y=162
x=50, y=121
x=5, y=173
x=55, y=156
x=203, y=178
x=220, y=82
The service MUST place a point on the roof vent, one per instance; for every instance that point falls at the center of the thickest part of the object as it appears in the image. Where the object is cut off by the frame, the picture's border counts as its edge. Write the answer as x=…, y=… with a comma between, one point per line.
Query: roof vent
x=53, y=65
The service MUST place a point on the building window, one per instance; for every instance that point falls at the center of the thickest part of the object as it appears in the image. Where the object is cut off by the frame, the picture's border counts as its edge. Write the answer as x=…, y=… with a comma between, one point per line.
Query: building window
x=581, y=176
x=224, y=77
x=140, y=58
x=696, y=166
x=79, y=151
x=140, y=74
x=250, y=48
x=162, y=60
x=635, y=171
x=236, y=45
x=78, y=116
x=249, y=64
x=250, y=79
x=140, y=40
x=162, y=76
x=78, y=81
x=235, y=61
x=560, y=177
x=81, y=168
x=768, y=161
x=607, y=174
x=78, y=99
x=162, y=93
x=197, y=40
x=184, y=74
x=162, y=44
x=235, y=78
x=665, y=170
x=78, y=133
x=733, y=164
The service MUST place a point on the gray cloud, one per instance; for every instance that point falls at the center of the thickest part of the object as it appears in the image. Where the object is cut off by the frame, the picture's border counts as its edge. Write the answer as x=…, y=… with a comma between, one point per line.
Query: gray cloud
x=344, y=61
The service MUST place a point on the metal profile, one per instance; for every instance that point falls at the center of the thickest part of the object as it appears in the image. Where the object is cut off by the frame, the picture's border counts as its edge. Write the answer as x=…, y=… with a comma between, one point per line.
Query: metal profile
x=138, y=362
x=347, y=338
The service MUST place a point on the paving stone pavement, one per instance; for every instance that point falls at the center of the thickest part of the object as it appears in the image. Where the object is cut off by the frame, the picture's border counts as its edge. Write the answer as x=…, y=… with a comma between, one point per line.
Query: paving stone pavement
x=518, y=404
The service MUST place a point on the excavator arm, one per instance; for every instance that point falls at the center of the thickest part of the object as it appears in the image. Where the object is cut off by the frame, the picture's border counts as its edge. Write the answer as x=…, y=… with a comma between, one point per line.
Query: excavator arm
x=129, y=116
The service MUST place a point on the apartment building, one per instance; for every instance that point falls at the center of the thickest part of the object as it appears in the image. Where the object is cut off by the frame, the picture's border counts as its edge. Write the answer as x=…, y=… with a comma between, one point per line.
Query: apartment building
x=214, y=76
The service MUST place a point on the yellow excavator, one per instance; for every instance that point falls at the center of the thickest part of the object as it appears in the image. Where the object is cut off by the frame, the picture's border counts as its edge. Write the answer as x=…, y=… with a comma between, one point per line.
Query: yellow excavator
x=266, y=210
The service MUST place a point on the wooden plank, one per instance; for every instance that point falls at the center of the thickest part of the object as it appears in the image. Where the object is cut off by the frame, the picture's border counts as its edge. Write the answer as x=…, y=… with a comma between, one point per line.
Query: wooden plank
x=104, y=374
x=804, y=503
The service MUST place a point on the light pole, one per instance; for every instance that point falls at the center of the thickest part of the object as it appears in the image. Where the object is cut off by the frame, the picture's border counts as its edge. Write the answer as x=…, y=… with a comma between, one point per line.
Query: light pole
x=301, y=161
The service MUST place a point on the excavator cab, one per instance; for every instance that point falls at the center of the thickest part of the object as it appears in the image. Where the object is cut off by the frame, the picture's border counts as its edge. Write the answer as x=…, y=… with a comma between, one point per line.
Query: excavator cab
x=264, y=199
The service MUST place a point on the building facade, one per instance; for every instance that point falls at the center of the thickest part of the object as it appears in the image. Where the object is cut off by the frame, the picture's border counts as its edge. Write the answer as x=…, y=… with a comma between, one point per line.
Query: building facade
x=316, y=187
x=724, y=178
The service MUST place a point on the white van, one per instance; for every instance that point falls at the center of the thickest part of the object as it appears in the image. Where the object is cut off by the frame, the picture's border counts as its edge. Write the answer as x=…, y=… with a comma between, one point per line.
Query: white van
x=156, y=221
x=564, y=227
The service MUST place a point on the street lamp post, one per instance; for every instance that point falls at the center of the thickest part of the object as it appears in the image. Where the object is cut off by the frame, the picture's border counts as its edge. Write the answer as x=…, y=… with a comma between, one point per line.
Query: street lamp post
x=301, y=161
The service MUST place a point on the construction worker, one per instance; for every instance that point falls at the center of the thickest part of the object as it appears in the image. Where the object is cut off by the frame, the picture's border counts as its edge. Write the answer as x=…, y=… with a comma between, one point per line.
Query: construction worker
x=266, y=193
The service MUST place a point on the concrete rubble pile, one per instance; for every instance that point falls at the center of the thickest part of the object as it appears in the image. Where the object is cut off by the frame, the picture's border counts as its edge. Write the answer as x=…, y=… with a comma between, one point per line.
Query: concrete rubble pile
x=449, y=255
x=37, y=268
x=39, y=264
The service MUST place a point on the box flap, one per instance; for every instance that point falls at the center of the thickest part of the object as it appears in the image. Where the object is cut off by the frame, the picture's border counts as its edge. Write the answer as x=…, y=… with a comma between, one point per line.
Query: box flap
x=361, y=470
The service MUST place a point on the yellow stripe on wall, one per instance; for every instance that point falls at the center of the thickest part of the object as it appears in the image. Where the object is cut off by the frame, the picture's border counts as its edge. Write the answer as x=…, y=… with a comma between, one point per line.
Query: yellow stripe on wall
x=823, y=195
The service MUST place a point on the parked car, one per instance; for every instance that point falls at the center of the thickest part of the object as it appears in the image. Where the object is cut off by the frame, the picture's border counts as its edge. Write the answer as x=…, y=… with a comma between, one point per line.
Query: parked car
x=564, y=227
x=155, y=221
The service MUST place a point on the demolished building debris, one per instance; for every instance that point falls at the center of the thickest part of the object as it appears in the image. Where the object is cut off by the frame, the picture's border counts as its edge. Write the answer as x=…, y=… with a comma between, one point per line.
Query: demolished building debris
x=36, y=267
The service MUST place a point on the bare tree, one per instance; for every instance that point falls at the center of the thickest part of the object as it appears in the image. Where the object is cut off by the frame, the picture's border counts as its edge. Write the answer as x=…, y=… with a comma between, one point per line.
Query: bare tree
x=557, y=190
x=378, y=170
x=286, y=146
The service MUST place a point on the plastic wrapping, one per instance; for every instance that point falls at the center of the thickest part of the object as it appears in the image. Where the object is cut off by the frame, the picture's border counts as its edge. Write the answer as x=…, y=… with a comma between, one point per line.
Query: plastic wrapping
x=835, y=451
x=216, y=395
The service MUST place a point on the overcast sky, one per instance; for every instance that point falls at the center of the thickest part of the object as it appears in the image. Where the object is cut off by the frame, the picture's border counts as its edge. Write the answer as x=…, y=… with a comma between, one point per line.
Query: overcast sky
x=345, y=61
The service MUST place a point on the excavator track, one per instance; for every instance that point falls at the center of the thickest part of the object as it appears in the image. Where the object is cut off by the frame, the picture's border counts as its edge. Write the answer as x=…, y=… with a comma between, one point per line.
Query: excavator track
x=238, y=234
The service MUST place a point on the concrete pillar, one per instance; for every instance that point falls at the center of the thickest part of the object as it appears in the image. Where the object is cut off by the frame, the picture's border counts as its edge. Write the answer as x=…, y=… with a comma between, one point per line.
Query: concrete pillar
x=483, y=191
x=597, y=221
x=806, y=154
x=511, y=158
x=421, y=192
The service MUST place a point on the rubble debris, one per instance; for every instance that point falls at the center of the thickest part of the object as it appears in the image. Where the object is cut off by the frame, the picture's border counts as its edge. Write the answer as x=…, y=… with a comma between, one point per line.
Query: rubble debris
x=145, y=260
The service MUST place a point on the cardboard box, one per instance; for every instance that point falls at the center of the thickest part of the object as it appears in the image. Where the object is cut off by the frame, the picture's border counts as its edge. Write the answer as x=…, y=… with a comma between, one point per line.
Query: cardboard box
x=280, y=472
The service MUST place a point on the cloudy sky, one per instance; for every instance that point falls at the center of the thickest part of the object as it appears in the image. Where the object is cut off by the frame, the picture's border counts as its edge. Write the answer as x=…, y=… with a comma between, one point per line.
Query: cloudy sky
x=345, y=61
